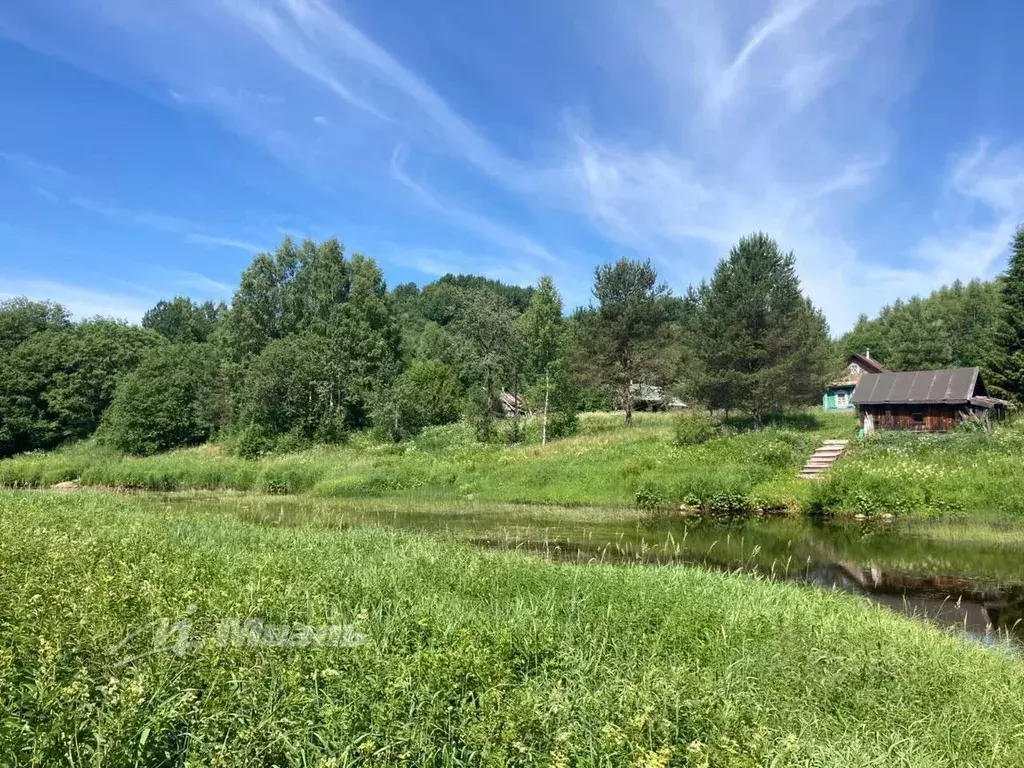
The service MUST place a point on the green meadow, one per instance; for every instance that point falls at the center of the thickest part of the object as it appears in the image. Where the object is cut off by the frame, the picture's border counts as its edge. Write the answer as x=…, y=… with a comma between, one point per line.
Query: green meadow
x=109, y=655
x=734, y=469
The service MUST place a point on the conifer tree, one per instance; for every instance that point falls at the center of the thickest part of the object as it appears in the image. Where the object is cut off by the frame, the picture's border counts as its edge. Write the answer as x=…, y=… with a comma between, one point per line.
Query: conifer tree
x=757, y=342
x=1005, y=368
x=625, y=330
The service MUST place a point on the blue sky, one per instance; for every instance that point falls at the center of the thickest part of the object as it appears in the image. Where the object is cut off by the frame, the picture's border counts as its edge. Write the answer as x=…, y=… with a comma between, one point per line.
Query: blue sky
x=149, y=148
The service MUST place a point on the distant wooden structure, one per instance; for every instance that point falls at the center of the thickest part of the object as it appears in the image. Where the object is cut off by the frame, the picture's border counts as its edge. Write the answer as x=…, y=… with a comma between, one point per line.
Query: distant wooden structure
x=512, y=405
x=923, y=401
x=648, y=397
x=839, y=395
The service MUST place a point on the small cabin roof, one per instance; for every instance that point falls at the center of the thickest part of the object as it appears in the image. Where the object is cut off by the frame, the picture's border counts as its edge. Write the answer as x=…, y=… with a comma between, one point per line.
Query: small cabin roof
x=867, y=364
x=950, y=386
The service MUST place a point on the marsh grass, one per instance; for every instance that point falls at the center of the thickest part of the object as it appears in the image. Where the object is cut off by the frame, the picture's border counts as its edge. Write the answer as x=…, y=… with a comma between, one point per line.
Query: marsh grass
x=472, y=658
x=961, y=472
x=737, y=469
x=733, y=468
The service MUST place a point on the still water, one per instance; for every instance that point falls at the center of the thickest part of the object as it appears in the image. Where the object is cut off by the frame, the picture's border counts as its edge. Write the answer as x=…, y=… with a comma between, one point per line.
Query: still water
x=966, y=576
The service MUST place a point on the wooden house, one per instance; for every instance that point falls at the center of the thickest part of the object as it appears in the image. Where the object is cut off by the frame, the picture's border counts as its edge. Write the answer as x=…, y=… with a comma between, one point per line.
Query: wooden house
x=839, y=395
x=923, y=401
x=509, y=404
x=648, y=397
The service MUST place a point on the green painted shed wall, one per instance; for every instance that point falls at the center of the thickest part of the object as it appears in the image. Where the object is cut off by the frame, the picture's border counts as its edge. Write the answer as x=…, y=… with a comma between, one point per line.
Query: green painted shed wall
x=831, y=399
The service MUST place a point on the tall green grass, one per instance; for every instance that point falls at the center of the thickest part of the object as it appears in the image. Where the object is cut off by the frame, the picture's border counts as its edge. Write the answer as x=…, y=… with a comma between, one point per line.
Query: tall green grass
x=957, y=473
x=471, y=658
x=664, y=461
x=736, y=469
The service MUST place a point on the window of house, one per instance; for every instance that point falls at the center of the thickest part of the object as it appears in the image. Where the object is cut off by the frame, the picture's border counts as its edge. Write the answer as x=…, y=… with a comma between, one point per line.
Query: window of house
x=917, y=417
x=841, y=399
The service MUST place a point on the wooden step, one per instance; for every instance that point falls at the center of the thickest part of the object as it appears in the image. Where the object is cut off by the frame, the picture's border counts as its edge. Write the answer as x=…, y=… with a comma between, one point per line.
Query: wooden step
x=823, y=458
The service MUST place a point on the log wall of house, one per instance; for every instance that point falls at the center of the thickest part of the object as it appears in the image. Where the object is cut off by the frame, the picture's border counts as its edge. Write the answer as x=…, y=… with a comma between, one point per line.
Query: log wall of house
x=913, y=418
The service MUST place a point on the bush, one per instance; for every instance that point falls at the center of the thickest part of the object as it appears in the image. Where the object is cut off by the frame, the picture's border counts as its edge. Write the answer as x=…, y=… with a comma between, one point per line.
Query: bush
x=776, y=454
x=694, y=430
x=718, y=489
x=249, y=442
x=427, y=394
x=650, y=496
x=847, y=489
x=165, y=403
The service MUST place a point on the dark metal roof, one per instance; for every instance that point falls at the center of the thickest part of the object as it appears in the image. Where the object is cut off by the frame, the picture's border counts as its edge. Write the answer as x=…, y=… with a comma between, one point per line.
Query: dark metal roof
x=954, y=386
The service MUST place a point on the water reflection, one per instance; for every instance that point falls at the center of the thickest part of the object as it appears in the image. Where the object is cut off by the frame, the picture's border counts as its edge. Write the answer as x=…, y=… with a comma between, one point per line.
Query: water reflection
x=966, y=576
x=983, y=608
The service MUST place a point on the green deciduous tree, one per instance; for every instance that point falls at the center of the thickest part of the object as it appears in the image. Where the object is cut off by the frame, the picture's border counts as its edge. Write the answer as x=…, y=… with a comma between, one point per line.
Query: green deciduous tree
x=368, y=338
x=427, y=394
x=165, y=403
x=21, y=318
x=756, y=342
x=552, y=389
x=486, y=331
x=1005, y=367
x=182, y=320
x=954, y=326
x=292, y=388
x=56, y=385
x=341, y=332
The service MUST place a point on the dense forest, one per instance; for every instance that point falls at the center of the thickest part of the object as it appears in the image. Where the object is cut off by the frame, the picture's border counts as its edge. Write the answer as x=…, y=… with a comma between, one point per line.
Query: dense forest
x=314, y=346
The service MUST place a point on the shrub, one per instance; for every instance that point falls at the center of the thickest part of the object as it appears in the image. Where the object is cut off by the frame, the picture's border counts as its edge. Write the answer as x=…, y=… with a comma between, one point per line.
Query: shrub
x=718, y=489
x=694, y=430
x=650, y=496
x=427, y=394
x=249, y=442
x=776, y=454
x=165, y=403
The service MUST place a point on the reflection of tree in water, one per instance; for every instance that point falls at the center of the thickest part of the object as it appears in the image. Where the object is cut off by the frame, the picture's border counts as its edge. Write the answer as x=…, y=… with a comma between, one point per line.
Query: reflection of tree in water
x=980, y=609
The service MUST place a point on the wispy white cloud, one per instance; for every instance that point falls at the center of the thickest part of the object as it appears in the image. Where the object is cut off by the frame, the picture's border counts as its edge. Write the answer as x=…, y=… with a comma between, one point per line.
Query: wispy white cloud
x=226, y=242
x=81, y=302
x=32, y=169
x=986, y=187
x=773, y=115
x=162, y=222
x=778, y=124
x=196, y=281
x=45, y=193
x=484, y=227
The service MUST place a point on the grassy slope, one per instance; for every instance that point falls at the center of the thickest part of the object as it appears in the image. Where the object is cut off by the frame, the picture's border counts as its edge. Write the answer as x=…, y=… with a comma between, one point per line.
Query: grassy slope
x=606, y=464
x=960, y=472
x=474, y=658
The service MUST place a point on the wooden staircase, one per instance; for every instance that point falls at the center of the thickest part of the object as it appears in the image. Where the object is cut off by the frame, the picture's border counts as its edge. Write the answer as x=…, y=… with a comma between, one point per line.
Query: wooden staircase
x=823, y=458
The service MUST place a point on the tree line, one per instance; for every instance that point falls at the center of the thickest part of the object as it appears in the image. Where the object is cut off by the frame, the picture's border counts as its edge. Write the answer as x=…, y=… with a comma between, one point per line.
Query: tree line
x=314, y=346
x=977, y=324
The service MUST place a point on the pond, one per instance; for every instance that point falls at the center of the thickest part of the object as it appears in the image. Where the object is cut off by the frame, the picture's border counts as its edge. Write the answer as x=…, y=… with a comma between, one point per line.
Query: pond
x=961, y=575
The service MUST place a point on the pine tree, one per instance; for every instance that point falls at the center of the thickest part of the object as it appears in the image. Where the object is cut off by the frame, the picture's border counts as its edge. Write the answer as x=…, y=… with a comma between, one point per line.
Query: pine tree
x=757, y=342
x=627, y=326
x=1005, y=370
